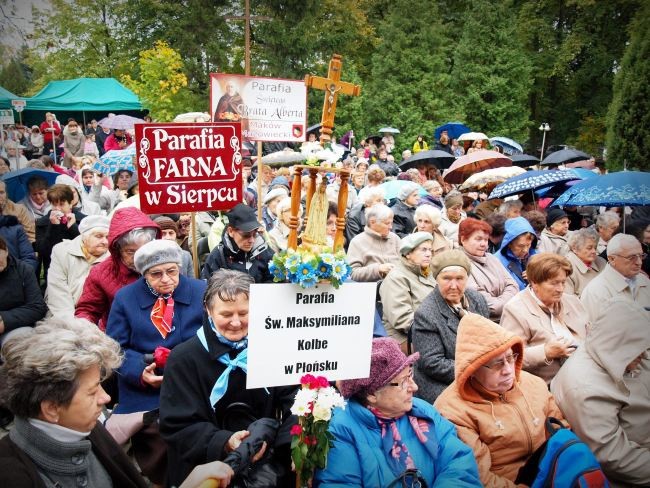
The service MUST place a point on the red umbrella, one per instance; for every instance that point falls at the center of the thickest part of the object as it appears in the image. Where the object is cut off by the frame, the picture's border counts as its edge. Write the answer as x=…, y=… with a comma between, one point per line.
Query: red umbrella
x=477, y=161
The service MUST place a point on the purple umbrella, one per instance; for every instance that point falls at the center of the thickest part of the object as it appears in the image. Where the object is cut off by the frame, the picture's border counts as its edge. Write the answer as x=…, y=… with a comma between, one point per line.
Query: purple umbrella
x=120, y=122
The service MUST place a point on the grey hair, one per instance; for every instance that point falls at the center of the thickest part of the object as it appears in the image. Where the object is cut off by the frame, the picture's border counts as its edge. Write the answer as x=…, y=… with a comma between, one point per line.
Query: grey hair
x=44, y=363
x=578, y=239
x=378, y=212
x=227, y=285
x=430, y=212
x=508, y=204
x=285, y=204
x=607, y=219
x=619, y=242
x=431, y=184
x=136, y=236
x=370, y=193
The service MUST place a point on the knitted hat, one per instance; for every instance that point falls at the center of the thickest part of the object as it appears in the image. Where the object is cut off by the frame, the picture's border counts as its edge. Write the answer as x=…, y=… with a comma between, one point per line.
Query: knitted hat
x=554, y=215
x=280, y=181
x=453, y=198
x=243, y=217
x=406, y=189
x=412, y=241
x=386, y=361
x=165, y=223
x=159, y=251
x=91, y=222
x=275, y=193
x=450, y=258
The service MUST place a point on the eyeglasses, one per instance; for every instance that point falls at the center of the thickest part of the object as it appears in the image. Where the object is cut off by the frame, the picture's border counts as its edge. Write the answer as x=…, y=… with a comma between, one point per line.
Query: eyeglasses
x=404, y=382
x=157, y=275
x=248, y=235
x=632, y=257
x=499, y=365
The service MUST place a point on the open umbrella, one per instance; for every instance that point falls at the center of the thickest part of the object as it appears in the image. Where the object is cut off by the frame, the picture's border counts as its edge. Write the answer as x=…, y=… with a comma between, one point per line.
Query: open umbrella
x=508, y=145
x=472, y=136
x=391, y=188
x=375, y=139
x=454, y=130
x=564, y=156
x=115, y=160
x=120, y=122
x=433, y=157
x=623, y=188
x=16, y=181
x=286, y=157
x=558, y=189
x=467, y=165
x=524, y=160
x=533, y=180
x=390, y=130
x=488, y=179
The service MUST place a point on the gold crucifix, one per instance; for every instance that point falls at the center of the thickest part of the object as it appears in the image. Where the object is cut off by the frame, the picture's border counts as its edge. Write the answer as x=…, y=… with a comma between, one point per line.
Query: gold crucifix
x=332, y=85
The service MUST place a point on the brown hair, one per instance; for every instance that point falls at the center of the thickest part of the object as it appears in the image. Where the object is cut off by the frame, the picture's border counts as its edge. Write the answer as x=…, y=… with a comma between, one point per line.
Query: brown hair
x=470, y=225
x=545, y=266
x=376, y=175
x=60, y=193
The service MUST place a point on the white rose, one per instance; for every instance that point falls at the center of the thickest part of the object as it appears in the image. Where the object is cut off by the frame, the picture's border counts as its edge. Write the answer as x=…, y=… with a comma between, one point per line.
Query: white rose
x=322, y=413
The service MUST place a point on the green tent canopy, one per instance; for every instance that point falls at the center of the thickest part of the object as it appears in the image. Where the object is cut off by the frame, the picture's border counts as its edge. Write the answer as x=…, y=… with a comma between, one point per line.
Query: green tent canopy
x=85, y=95
x=6, y=97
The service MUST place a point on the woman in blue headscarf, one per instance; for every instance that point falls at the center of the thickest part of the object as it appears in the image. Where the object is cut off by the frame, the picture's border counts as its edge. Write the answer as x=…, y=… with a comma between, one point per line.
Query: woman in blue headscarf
x=205, y=408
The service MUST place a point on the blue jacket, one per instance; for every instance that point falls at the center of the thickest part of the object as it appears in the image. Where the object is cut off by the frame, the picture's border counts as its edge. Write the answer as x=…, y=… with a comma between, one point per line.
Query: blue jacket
x=17, y=242
x=129, y=323
x=356, y=458
x=515, y=266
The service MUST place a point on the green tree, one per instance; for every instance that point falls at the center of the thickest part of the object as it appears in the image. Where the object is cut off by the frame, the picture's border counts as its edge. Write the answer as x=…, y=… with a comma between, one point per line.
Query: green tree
x=14, y=76
x=161, y=84
x=409, y=85
x=628, y=121
x=491, y=72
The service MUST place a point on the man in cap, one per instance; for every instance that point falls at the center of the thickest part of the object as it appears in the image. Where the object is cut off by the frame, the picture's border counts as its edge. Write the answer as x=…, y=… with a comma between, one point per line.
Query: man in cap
x=242, y=247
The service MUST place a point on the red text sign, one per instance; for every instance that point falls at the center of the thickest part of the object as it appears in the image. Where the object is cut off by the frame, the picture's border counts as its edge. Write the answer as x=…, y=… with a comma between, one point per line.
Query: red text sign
x=188, y=167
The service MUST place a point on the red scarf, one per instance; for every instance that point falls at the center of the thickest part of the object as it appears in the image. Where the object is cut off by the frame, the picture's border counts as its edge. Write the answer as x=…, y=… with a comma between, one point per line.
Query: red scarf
x=162, y=315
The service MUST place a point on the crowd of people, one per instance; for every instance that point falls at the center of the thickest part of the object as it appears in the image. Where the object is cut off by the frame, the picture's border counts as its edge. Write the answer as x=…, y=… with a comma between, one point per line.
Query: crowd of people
x=491, y=316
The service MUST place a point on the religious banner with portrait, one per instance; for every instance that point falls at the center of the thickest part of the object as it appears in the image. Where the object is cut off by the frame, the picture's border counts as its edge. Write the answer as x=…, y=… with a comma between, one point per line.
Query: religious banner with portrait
x=269, y=109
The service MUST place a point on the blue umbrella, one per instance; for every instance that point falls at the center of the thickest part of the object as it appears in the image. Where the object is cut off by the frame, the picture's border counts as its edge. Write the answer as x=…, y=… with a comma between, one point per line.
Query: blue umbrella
x=532, y=180
x=454, y=130
x=558, y=189
x=16, y=181
x=631, y=188
x=509, y=146
x=113, y=161
x=391, y=188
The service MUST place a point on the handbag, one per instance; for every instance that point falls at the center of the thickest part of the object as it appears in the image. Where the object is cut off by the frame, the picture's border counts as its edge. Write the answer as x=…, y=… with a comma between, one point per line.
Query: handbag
x=411, y=478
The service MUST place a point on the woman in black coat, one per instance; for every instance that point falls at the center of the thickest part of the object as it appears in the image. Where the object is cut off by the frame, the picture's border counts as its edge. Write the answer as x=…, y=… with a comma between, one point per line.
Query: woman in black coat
x=404, y=210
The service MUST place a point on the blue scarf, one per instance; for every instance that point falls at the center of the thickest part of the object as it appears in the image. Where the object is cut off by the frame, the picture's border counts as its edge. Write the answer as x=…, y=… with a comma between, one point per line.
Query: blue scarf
x=241, y=361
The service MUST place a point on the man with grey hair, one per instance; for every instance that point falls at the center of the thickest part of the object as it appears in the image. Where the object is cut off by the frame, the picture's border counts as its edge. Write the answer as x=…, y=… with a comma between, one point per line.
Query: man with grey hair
x=621, y=277
x=356, y=219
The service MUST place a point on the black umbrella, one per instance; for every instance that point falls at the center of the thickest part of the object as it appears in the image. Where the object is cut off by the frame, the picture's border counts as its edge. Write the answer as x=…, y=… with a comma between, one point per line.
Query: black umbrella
x=375, y=139
x=524, y=160
x=433, y=157
x=564, y=156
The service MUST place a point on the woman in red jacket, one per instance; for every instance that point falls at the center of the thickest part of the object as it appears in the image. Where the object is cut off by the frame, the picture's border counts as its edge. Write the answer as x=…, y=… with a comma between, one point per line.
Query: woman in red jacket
x=51, y=130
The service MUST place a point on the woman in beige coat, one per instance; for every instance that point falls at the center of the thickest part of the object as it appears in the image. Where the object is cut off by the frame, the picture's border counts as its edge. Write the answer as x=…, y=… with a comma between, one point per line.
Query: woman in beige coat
x=584, y=259
x=428, y=219
x=407, y=284
x=489, y=277
x=551, y=323
x=71, y=263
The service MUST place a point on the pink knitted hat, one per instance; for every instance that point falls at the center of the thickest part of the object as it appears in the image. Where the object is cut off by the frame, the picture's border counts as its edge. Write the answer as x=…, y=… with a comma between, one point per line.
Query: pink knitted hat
x=386, y=361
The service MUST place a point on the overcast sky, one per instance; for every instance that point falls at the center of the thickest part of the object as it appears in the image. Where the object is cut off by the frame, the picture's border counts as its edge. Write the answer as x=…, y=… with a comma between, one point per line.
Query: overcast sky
x=16, y=15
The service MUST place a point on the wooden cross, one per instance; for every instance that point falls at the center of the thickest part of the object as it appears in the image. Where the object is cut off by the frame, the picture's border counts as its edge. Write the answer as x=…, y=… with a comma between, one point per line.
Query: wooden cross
x=247, y=33
x=332, y=85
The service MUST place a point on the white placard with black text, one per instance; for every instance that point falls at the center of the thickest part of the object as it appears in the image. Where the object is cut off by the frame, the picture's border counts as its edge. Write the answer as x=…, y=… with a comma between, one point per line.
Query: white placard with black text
x=321, y=331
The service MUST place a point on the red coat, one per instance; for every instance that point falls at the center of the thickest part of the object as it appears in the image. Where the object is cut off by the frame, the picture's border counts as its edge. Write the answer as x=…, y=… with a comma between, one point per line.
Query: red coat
x=112, y=143
x=109, y=276
x=47, y=134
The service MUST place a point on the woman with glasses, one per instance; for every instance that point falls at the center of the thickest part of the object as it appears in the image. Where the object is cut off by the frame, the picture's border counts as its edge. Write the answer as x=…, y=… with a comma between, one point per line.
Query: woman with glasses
x=160, y=310
x=498, y=409
x=384, y=430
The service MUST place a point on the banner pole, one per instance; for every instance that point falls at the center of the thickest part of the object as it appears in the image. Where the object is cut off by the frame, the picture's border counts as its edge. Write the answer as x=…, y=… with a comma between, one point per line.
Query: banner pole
x=259, y=181
x=195, y=243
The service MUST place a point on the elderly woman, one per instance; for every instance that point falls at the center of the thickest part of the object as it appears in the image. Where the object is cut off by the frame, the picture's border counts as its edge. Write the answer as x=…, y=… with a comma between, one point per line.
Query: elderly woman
x=517, y=246
x=407, y=200
x=436, y=321
x=356, y=219
x=428, y=219
x=407, y=284
x=488, y=276
x=53, y=387
x=498, y=409
x=72, y=262
x=278, y=236
x=452, y=216
x=374, y=252
x=169, y=231
x=161, y=309
x=208, y=372
x=384, y=430
x=606, y=225
x=583, y=256
x=270, y=214
x=551, y=323
x=434, y=194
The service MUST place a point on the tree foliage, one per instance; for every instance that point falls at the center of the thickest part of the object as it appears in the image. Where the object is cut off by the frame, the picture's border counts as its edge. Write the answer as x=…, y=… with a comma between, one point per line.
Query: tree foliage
x=628, y=124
